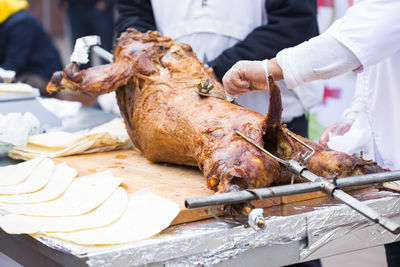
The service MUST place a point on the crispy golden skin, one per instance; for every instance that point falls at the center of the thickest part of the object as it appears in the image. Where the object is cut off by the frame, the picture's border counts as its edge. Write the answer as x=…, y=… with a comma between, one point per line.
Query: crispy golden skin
x=169, y=122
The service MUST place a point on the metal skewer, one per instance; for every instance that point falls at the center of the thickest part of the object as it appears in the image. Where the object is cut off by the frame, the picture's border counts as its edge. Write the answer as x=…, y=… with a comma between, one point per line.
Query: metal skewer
x=316, y=183
x=104, y=54
x=287, y=190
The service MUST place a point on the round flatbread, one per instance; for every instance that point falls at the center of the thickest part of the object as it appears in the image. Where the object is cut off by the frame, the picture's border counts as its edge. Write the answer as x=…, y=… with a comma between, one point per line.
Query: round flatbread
x=83, y=195
x=17, y=173
x=59, y=181
x=105, y=214
x=55, y=140
x=38, y=179
x=146, y=215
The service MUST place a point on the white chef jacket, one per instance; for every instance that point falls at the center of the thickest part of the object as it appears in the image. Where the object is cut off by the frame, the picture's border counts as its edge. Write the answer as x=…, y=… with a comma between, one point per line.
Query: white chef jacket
x=371, y=31
x=213, y=26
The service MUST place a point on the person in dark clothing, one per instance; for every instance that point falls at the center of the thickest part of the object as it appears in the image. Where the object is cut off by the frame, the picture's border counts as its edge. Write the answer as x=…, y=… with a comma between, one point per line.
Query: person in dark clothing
x=226, y=31
x=91, y=17
x=28, y=50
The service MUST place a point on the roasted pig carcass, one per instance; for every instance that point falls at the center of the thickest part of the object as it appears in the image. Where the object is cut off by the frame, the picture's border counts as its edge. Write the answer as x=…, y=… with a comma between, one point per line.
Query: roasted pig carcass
x=155, y=81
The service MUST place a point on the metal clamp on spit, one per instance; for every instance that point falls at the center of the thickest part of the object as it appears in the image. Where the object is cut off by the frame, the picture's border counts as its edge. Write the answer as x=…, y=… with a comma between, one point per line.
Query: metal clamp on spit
x=316, y=183
x=82, y=48
x=256, y=218
x=206, y=88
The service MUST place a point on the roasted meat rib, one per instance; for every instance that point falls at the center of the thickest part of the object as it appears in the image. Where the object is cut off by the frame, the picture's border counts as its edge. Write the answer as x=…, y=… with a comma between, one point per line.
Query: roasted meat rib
x=155, y=78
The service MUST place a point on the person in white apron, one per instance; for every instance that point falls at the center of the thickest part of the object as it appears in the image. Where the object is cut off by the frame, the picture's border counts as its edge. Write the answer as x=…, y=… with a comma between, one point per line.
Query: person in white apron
x=366, y=40
x=222, y=32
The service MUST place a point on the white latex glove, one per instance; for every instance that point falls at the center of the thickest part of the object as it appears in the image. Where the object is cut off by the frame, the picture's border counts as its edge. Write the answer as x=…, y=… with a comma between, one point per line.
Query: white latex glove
x=246, y=76
x=337, y=129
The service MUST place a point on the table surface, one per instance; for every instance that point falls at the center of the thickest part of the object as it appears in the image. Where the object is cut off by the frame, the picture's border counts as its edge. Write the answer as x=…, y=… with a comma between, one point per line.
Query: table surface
x=294, y=232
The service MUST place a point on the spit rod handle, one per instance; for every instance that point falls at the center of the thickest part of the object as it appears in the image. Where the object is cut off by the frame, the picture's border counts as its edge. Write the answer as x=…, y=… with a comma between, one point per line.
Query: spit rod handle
x=104, y=54
x=367, y=211
x=338, y=194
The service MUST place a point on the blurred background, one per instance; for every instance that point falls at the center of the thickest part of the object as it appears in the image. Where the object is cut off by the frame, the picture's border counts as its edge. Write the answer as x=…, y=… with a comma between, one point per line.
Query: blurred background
x=52, y=14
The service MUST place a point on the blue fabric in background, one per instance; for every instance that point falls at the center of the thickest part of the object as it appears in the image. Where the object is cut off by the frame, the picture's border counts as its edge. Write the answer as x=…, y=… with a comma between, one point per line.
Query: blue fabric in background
x=26, y=48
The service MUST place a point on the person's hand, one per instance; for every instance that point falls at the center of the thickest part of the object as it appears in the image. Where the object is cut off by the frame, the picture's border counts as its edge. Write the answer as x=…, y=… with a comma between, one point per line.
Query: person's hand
x=337, y=129
x=244, y=77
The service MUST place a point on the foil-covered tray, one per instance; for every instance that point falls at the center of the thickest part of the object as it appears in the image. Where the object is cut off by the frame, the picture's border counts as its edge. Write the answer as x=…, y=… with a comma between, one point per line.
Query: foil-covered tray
x=294, y=232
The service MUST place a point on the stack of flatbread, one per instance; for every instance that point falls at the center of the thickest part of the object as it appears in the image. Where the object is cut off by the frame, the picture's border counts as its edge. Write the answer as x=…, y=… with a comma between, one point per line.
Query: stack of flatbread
x=10, y=91
x=106, y=137
x=43, y=198
x=16, y=88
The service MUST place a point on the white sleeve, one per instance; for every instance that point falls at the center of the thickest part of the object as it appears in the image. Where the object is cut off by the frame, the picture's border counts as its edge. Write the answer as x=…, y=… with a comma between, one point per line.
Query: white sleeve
x=321, y=57
x=360, y=98
x=367, y=34
x=370, y=29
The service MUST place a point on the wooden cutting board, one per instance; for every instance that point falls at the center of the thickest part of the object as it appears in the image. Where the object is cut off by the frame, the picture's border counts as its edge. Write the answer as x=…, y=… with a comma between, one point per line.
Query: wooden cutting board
x=173, y=182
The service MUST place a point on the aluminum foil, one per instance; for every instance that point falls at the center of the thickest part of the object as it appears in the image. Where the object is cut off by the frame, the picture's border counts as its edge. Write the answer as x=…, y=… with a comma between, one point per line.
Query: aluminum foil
x=204, y=244
x=201, y=243
x=323, y=227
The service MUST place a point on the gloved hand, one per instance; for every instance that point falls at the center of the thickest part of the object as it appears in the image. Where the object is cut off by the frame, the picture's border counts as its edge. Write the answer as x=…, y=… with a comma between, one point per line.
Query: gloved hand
x=339, y=128
x=246, y=76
